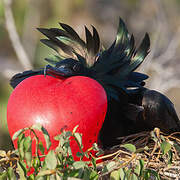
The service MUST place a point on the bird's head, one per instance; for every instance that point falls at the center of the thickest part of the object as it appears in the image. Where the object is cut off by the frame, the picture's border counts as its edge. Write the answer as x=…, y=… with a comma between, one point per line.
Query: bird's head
x=66, y=68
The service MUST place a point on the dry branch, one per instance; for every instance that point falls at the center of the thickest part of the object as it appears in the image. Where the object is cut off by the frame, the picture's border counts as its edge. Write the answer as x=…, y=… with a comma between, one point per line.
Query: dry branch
x=14, y=37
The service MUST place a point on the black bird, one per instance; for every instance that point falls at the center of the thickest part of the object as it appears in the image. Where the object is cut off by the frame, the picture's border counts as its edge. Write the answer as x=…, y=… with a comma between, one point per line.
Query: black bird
x=132, y=108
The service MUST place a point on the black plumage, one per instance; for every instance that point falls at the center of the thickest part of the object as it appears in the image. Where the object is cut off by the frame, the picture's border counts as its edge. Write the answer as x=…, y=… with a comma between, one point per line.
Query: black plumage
x=157, y=111
x=66, y=68
x=17, y=78
x=145, y=110
x=132, y=108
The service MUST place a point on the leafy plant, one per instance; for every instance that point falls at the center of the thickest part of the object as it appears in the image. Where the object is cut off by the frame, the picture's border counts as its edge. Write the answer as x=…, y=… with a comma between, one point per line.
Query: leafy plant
x=125, y=162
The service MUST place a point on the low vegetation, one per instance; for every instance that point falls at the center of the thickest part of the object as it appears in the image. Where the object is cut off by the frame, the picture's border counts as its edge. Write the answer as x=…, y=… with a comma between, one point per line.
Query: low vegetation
x=146, y=155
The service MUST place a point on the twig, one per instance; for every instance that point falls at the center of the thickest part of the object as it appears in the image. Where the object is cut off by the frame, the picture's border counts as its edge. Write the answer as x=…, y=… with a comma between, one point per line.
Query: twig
x=13, y=35
x=113, y=154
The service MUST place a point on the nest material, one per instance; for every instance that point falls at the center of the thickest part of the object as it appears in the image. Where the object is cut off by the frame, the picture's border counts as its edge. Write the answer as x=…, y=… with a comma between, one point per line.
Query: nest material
x=165, y=160
x=149, y=149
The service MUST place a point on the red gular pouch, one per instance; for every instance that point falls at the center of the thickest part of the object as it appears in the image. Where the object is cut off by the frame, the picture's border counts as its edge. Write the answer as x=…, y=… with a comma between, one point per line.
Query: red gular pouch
x=56, y=103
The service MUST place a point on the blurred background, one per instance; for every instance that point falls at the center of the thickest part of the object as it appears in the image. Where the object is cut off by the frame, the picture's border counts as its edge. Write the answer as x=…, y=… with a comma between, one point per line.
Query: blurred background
x=20, y=48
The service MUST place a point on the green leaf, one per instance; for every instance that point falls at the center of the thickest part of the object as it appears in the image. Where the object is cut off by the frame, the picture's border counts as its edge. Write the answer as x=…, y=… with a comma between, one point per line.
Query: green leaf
x=86, y=154
x=44, y=173
x=44, y=166
x=153, y=136
x=121, y=174
x=141, y=163
x=58, y=137
x=129, y=147
x=170, y=157
x=62, y=141
x=31, y=177
x=74, y=173
x=27, y=143
x=21, y=149
x=115, y=175
x=79, y=154
x=137, y=169
x=27, y=150
x=79, y=164
x=93, y=160
x=165, y=147
x=41, y=147
x=58, y=177
x=109, y=167
x=88, y=174
x=128, y=173
x=93, y=175
x=52, y=177
x=133, y=177
x=78, y=137
x=21, y=170
x=146, y=148
x=162, y=138
x=68, y=134
x=149, y=172
x=47, y=138
x=28, y=158
x=3, y=176
x=37, y=126
x=85, y=174
x=36, y=163
x=69, y=150
x=51, y=160
x=16, y=134
x=11, y=174
x=95, y=147
x=74, y=129
x=100, y=152
x=20, y=138
x=80, y=173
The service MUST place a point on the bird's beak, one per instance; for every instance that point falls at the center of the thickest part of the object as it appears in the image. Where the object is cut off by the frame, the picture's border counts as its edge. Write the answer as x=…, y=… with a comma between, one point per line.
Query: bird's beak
x=54, y=71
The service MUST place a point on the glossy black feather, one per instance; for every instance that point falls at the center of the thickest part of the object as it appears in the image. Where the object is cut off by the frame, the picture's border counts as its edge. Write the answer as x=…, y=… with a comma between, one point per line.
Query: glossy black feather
x=89, y=41
x=96, y=41
x=72, y=33
x=119, y=60
x=17, y=78
x=48, y=32
x=137, y=77
x=138, y=57
x=143, y=111
x=58, y=46
x=159, y=112
x=53, y=60
x=122, y=33
x=60, y=32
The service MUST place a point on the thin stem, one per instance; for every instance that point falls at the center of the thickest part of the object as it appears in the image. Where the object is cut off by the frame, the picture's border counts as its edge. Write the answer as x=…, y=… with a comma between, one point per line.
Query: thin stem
x=14, y=37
